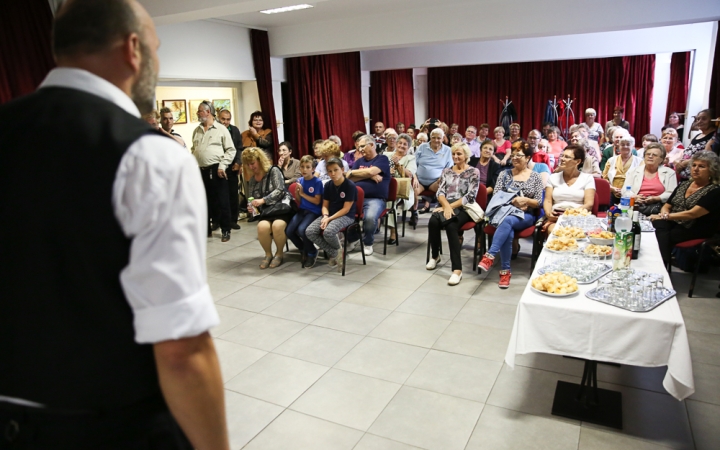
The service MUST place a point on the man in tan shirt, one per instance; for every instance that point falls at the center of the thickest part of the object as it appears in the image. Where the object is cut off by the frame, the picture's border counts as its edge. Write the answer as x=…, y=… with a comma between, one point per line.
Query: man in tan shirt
x=214, y=150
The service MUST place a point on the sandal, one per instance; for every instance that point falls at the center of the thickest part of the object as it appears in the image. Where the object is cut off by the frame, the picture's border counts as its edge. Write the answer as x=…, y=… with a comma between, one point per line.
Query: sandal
x=276, y=261
x=265, y=262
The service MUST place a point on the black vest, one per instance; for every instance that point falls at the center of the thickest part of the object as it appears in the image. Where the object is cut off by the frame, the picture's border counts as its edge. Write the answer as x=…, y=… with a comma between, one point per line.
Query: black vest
x=66, y=329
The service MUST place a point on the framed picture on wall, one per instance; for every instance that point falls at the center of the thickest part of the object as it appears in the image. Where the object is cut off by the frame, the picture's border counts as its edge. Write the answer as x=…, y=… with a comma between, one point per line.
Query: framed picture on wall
x=193, y=110
x=178, y=109
x=221, y=104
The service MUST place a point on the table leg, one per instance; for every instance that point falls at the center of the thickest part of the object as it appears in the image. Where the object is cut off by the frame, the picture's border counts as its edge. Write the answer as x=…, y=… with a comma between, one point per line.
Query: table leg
x=586, y=402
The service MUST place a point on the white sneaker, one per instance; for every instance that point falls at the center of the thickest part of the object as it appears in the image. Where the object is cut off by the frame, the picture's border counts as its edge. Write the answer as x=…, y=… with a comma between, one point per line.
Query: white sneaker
x=368, y=250
x=432, y=264
x=242, y=216
x=351, y=246
x=454, y=279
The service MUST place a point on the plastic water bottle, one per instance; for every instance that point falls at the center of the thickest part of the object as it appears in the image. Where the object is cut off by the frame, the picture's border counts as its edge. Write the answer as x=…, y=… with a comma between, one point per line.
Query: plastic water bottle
x=625, y=201
x=623, y=223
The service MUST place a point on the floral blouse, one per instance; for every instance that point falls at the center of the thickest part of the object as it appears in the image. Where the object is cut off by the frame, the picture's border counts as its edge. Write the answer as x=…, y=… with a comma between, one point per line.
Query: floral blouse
x=530, y=188
x=276, y=188
x=454, y=186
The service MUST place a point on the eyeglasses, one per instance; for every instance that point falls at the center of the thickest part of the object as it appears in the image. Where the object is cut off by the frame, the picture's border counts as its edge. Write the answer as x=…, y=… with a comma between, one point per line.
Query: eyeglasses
x=518, y=156
x=651, y=155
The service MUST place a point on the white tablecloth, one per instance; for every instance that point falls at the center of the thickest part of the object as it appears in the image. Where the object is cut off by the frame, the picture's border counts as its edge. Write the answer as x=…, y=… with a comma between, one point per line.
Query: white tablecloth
x=583, y=328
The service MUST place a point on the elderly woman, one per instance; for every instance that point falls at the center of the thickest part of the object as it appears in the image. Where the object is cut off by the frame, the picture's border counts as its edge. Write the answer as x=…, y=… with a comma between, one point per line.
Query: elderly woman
x=619, y=165
x=421, y=139
x=257, y=136
x=328, y=150
x=606, y=149
x=673, y=148
x=488, y=168
x=707, y=130
x=596, y=130
x=652, y=183
x=527, y=188
x=693, y=209
x=456, y=139
x=556, y=144
x=569, y=187
x=402, y=165
x=514, y=132
x=502, y=147
x=267, y=189
x=458, y=186
x=390, y=141
x=590, y=164
x=289, y=165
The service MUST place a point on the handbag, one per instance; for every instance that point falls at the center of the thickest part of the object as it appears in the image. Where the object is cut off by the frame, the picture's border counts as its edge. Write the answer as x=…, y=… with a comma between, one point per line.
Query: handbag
x=443, y=221
x=278, y=209
x=404, y=186
x=475, y=212
x=649, y=210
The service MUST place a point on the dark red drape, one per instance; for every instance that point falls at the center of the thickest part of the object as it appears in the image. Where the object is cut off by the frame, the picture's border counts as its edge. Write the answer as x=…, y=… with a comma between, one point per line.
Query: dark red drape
x=470, y=95
x=25, y=49
x=679, y=82
x=391, y=97
x=714, y=100
x=263, y=76
x=325, y=97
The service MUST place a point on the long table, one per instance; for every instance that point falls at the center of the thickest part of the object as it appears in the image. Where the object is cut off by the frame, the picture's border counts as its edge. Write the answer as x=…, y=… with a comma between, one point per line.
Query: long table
x=578, y=327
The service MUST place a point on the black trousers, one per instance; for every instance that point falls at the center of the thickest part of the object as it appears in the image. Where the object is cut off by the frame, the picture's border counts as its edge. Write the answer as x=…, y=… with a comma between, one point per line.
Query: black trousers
x=669, y=234
x=451, y=230
x=146, y=425
x=216, y=192
x=233, y=179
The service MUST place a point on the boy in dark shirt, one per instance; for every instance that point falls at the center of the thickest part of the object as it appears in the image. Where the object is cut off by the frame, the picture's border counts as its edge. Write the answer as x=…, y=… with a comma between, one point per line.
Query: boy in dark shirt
x=308, y=194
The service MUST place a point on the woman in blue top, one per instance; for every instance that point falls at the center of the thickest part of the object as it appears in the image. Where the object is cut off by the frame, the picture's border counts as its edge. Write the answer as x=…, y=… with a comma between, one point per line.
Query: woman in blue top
x=338, y=212
x=308, y=194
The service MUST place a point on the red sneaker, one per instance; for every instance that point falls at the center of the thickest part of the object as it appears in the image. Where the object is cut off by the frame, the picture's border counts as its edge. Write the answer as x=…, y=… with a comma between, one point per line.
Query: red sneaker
x=486, y=262
x=504, y=279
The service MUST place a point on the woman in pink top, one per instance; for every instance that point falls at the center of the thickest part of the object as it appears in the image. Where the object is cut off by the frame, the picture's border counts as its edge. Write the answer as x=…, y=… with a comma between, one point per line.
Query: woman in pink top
x=651, y=183
x=502, y=152
x=556, y=145
x=673, y=149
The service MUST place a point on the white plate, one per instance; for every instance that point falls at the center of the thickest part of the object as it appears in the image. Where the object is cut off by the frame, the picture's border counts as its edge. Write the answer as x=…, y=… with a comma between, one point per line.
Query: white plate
x=561, y=252
x=600, y=241
x=553, y=295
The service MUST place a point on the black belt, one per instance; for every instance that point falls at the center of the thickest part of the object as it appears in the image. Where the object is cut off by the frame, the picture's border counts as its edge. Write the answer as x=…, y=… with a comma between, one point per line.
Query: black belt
x=214, y=166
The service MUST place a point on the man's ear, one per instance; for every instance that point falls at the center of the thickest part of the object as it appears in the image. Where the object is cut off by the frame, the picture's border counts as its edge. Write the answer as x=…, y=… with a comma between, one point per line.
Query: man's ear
x=132, y=52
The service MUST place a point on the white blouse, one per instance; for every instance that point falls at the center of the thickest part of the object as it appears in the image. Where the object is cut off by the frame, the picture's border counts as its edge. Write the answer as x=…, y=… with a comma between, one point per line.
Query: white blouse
x=565, y=196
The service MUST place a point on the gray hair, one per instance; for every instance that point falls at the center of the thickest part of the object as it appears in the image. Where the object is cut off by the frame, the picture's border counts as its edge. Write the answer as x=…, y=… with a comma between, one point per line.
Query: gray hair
x=590, y=111
x=629, y=139
x=438, y=130
x=406, y=137
x=208, y=106
x=713, y=164
x=367, y=139
x=584, y=126
x=657, y=146
x=335, y=139
x=423, y=135
x=457, y=136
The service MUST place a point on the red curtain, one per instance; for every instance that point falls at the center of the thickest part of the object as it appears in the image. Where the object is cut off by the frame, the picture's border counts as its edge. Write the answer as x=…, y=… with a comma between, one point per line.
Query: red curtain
x=263, y=76
x=714, y=100
x=25, y=49
x=470, y=95
x=679, y=82
x=325, y=97
x=392, y=97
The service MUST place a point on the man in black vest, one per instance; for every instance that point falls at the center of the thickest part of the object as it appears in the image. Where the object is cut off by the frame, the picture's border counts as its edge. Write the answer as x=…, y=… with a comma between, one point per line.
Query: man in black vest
x=104, y=322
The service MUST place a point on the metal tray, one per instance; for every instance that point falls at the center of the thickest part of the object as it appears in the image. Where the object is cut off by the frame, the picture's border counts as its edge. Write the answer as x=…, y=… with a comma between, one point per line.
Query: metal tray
x=646, y=226
x=605, y=268
x=668, y=294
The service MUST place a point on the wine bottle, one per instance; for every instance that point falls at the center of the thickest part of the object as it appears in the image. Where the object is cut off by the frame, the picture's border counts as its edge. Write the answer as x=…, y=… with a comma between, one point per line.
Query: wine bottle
x=637, y=234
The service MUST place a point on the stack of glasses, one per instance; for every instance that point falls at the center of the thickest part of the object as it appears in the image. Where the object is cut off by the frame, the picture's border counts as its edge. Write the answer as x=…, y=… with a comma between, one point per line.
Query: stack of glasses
x=630, y=289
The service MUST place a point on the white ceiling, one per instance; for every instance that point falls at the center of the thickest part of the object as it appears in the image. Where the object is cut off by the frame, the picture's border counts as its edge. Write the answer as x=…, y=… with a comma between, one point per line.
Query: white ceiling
x=347, y=25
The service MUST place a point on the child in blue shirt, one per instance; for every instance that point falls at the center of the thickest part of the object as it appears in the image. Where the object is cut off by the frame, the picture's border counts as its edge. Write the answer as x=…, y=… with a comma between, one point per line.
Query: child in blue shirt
x=308, y=194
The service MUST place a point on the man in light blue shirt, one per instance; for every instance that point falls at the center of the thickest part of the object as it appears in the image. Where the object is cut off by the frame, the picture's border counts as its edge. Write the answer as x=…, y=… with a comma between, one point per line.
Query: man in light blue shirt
x=432, y=158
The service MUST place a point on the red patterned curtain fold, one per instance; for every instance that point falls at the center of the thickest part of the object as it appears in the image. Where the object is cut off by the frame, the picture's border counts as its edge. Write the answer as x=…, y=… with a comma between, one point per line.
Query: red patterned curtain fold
x=392, y=97
x=470, y=95
x=325, y=98
x=263, y=76
x=679, y=82
x=25, y=49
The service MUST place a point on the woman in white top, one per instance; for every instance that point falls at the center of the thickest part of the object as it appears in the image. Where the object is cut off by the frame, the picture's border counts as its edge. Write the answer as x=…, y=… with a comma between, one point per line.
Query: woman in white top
x=569, y=187
x=619, y=165
x=595, y=129
x=402, y=165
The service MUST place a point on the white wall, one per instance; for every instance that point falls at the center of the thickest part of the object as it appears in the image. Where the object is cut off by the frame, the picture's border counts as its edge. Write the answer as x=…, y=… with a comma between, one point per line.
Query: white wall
x=203, y=50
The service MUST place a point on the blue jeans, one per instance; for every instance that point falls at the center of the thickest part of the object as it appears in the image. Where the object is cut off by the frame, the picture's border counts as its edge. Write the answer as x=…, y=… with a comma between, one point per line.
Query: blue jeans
x=372, y=208
x=295, y=231
x=503, y=238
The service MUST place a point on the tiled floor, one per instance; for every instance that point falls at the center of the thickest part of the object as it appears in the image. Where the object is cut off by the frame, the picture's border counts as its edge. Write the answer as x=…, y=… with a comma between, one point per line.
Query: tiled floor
x=391, y=357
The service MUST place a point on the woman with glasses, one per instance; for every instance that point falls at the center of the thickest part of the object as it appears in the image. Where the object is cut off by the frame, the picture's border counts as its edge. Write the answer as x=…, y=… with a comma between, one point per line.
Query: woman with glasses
x=569, y=187
x=652, y=183
x=673, y=148
x=618, y=166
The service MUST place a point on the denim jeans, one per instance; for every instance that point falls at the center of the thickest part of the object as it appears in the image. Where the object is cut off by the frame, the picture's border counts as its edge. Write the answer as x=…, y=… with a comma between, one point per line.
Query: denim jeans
x=372, y=208
x=295, y=231
x=503, y=238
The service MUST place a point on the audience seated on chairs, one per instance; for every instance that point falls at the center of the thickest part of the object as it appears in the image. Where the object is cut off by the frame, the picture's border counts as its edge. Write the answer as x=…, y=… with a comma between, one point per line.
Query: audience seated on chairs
x=569, y=187
x=520, y=190
x=673, y=148
x=618, y=166
x=308, y=195
x=651, y=183
x=267, y=188
x=338, y=212
x=488, y=168
x=698, y=143
x=590, y=165
x=556, y=144
x=372, y=174
x=402, y=165
x=458, y=186
x=390, y=142
x=693, y=209
x=327, y=149
x=289, y=165
x=432, y=159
